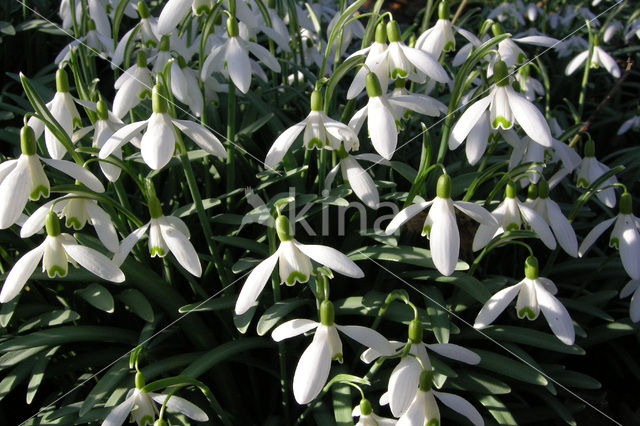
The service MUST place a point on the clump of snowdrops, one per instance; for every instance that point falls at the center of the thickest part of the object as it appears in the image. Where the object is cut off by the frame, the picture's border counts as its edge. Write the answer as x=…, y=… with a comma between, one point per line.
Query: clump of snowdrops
x=283, y=212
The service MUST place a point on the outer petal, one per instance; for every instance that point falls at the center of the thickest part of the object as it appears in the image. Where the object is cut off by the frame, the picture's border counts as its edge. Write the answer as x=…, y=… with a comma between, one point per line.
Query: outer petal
x=255, y=283
x=538, y=224
x=423, y=104
x=475, y=212
x=331, y=258
x=537, y=40
x=468, y=120
x=292, y=328
x=630, y=250
x=94, y=262
x=576, y=62
x=103, y=226
x=445, y=241
x=238, y=64
x=282, y=144
x=496, y=304
x=593, y=235
x=460, y=405
x=406, y=214
x=529, y=118
x=608, y=62
x=358, y=118
x=382, y=128
x=21, y=272
x=456, y=352
x=313, y=368
x=127, y=244
x=182, y=249
x=264, y=55
x=556, y=315
x=425, y=63
x=119, y=414
x=403, y=384
x=203, y=137
x=120, y=137
x=360, y=181
x=14, y=193
x=171, y=14
x=478, y=139
x=77, y=172
x=36, y=220
x=159, y=142
x=562, y=229
x=181, y=405
x=368, y=337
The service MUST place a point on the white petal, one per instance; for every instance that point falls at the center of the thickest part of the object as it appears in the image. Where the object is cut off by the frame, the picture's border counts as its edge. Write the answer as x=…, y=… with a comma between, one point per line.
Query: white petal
x=120, y=137
x=476, y=212
x=455, y=352
x=264, y=55
x=460, y=405
x=94, y=262
x=358, y=118
x=172, y=12
x=238, y=64
x=14, y=193
x=179, y=224
x=496, y=304
x=368, y=337
x=292, y=328
x=423, y=104
x=634, y=307
x=477, y=140
x=467, y=121
x=159, y=142
x=77, y=172
x=382, y=128
x=182, y=249
x=406, y=214
x=21, y=272
x=331, y=258
x=36, y=220
x=103, y=226
x=203, y=137
x=282, y=144
x=629, y=288
x=181, y=405
x=360, y=181
x=426, y=63
x=630, y=251
x=403, y=384
x=608, y=62
x=593, y=235
x=256, y=281
x=119, y=414
x=128, y=243
x=576, y=62
x=538, y=224
x=529, y=118
x=562, y=229
x=537, y=40
x=556, y=315
x=312, y=370
x=445, y=241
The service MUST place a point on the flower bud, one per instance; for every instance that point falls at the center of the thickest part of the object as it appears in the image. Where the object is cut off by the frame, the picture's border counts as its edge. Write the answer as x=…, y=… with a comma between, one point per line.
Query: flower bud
x=590, y=148
x=531, y=268
x=365, y=407
x=52, y=225
x=143, y=10
x=62, y=81
x=625, y=203
x=316, y=101
x=327, y=313
x=373, y=85
x=415, y=331
x=500, y=74
x=283, y=228
x=393, y=31
x=426, y=381
x=27, y=141
x=159, y=100
x=443, y=10
x=101, y=110
x=443, y=187
x=232, y=27
x=381, y=33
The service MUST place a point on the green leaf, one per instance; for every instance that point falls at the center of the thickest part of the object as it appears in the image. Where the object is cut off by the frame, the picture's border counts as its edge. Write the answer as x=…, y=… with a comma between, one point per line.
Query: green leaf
x=222, y=352
x=498, y=410
x=559, y=408
x=275, y=313
x=15, y=357
x=7, y=310
x=105, y=385
x=346, y=378
x=243, y=321
x=97, y=296
x=438, y=316
x=477, y=382
x=404, y=254
x=70, y=334
x=614, y=330
x=470, y=285
x=575, y=379
x=254, y=126
x=244, y=243
x=137, y=303
x=15, y=377
x=37, y=373
x=342, y=404
x=49, y=319
x=217, y=304
x=510, y=367
x=531, y=337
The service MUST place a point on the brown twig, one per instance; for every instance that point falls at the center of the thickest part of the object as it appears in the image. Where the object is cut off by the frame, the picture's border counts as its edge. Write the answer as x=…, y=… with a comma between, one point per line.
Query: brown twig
x=459, y=11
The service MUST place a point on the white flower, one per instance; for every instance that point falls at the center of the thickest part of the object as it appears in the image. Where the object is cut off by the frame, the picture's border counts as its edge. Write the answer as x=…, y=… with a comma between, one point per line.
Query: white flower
x=132, y=86
x=570, y=45
x=146, y=32
x=174, y=10
x=352, y=172
x=313, y=367
x=535, y=294
x=632, y=287
x=56, y=251
x=632, y=123
x=591, y=170
x=23, y=179
x=294, y=261
x=510, y=214
x=278, y=30
x=503, y=10
x=529, y=86
x=511, y=54
x=438, y=38
x=379, y=113
x=320, y=131
x=366, y=416
x=233, y=55
x=185, y=86
x=96, y=40
x=624, y=236
x=440, y=225
x=349, y=31
x=598, y=58
x=611, y=29
x=166, y=233
x=506, y=107
x=371, y=63
x=158, y=142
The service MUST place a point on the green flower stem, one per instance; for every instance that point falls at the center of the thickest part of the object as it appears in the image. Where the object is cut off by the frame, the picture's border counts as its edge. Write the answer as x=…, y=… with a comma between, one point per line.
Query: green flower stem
x=585, y=75
x=423, y=170
x=428, y=10
x=231, y=134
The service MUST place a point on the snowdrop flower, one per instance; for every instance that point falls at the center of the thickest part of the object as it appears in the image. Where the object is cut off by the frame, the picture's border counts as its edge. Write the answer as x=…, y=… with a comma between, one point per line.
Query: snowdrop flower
x=294, y=264
x=146, y=32
x=510, y=53
x=510, y=214
x=352, y=172
x=367, y=417
x=423, y=408
x=440, y=225
x=97, y=41
x=166, y=233
x=132, y=86
x=65, y=13
x=278, y=31
x=56, y=251
x=402, y=61
x=598, y=58
x=632, y=287
x=504, y=9
x=371, y=63
x=320, y=132
x=632, y=123
x=349, y=31
x=631, y=29
x=553, y=216
x=143, y=410
x=591, y=170
x=404, y=378
x=570, y=45
x=185, y=85
x=624, y=236
x=464, y=52
x=529, y=86
x=506, y=107
x=174, y=10
x=23, y=179
x=535, y=294
x=379, y=113
x=611, y=29
x=313, y=367
x=62, y=108
x=531, y=12
x=234, y=55
x=438, y=38
x=158, y=142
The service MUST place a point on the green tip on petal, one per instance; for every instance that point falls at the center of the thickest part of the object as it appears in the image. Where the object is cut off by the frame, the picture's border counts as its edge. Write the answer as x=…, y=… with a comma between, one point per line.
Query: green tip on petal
x=415, y=331
x=159, y=99
x=527, y=312
x=283, y=228
x=316, y=101
x=139, y=380
x=625, y=203
x=510, y=190
x=443, y=10
x=141, y=59
x=143, y=10
x=531, y=268
x=52, y=225
x=365, y=407
x=393, y=31
x=232, y=27
x=27, y=141
x=181, y=62
x=543, y=188
x=91, y=25
x=532, y=191
x=426, y=380
x=327, y=313
x=164, y=43
x=102, y=110
x=160, y=422
x=373, y=85
x=155, y=208
x=500, y=74
x=399, y=83
x=62, y=81
x=496, y=29
x=381, y=33
x=590, y=148
x=443, y=187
